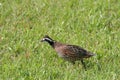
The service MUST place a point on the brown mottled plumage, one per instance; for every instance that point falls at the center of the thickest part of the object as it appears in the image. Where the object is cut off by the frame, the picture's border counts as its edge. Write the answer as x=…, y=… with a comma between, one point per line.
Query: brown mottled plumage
x=70, y=53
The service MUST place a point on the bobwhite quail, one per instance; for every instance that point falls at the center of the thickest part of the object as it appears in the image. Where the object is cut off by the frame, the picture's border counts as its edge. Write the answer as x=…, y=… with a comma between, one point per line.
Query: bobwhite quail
x=68, y=52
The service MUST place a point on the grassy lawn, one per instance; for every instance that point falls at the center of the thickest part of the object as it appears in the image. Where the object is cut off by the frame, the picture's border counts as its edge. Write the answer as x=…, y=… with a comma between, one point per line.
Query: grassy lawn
x=91, y=24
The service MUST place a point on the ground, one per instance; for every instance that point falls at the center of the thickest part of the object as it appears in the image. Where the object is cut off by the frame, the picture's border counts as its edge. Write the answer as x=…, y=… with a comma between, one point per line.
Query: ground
x=91, y=24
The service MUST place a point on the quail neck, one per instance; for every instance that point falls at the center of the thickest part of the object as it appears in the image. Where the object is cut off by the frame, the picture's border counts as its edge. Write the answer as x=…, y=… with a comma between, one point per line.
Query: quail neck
x=51, y=42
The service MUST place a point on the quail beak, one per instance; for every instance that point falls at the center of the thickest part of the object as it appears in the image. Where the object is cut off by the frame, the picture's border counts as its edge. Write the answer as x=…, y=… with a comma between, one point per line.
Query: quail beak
x=42, y=40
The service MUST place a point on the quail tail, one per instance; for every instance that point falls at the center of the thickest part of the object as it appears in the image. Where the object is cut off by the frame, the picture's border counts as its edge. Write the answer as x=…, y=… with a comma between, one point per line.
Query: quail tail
x=89, y=54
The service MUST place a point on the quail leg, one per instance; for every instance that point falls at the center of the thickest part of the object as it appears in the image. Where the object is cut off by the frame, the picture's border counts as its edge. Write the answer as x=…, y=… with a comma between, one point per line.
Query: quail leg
x=83, y=64
x=73, y=62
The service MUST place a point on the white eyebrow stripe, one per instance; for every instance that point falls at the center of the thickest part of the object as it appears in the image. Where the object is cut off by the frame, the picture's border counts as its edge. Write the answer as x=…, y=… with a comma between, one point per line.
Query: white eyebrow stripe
x=48, y=39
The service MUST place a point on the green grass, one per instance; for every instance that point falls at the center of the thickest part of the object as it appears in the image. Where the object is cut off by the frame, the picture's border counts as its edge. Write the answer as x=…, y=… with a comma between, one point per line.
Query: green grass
x=91, y=24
